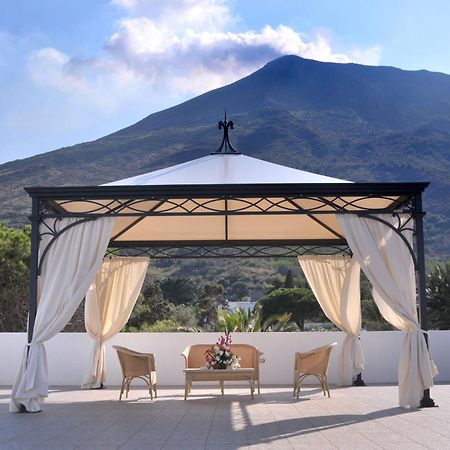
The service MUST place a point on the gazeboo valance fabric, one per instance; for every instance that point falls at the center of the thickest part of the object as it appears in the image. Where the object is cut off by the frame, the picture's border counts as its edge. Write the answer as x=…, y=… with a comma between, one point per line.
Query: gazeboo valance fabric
x=232, y=205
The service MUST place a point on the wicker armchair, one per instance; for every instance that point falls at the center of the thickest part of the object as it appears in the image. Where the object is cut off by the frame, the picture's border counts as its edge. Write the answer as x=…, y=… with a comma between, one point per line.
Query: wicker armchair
x=315, y=363
x=136, y=365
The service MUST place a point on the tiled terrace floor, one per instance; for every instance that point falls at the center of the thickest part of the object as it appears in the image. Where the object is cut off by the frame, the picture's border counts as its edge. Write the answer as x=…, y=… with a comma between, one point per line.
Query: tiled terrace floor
x=353, y=418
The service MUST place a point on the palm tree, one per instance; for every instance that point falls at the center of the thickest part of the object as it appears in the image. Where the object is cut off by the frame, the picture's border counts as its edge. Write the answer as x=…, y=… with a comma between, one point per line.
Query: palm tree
x=236, y=320
x=241, y=320
x=438, y=293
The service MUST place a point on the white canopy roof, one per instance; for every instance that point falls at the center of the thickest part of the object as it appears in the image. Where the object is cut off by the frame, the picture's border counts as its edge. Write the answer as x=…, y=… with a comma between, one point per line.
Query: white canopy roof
x=225, y=169
x=190, y=209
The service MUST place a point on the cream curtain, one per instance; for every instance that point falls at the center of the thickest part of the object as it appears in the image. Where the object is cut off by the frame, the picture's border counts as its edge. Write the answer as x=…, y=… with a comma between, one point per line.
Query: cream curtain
x=68, y=270
x=386, y=261
x=109, y=303
x=334, y=281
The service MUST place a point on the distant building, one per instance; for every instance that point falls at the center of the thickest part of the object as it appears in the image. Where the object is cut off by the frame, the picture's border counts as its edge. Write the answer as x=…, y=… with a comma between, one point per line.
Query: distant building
x=255, y=294
x=248, y=306
x=248, y=303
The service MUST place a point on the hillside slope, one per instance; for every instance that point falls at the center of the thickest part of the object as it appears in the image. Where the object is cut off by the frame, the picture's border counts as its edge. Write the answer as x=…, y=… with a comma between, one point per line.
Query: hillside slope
x=347, y=121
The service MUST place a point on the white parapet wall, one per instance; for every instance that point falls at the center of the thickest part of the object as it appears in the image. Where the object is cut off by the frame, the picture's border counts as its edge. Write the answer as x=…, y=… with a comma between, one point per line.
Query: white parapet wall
x=68, y=354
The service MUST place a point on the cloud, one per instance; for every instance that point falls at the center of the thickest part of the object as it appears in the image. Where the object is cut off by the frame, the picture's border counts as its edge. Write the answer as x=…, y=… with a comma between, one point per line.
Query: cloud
x=181, y=48
x=94, y=84
x=370, y=56
x=48, y=66
x=160, y=53
x=207, y=15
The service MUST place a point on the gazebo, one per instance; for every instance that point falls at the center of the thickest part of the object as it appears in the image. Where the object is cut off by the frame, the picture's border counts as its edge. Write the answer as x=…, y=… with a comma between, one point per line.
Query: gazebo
x=230, y=205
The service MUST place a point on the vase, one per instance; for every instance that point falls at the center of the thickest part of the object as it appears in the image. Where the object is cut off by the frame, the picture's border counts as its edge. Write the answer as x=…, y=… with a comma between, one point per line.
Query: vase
x=220, y=366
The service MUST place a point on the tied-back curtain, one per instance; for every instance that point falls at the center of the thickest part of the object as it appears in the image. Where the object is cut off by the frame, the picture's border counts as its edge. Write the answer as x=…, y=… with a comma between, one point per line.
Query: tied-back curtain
x=334, y=281
x=109, y=303
x=388, y=264
x=69, y=267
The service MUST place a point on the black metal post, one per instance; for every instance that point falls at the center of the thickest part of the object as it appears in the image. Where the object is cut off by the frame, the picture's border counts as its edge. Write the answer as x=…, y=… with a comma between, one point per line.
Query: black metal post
x=32, y=309
x=427, y=401
x=358, y=381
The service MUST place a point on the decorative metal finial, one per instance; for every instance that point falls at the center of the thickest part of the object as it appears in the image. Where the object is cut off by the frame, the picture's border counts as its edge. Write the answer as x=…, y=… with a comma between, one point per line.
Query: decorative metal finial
x=225, y=146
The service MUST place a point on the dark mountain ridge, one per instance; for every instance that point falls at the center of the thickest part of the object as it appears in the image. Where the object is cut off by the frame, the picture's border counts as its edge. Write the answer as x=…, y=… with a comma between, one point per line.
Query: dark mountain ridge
x=350, y=121
x=386, y=97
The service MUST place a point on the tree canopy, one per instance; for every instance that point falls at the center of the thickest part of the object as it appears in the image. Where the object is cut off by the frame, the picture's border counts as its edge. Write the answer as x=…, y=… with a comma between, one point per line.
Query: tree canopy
x=14, y=275
x=438, y=292
x=299, y=302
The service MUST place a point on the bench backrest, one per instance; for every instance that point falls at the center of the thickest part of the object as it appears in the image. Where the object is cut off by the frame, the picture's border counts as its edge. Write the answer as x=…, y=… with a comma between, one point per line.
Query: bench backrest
x=195, y=355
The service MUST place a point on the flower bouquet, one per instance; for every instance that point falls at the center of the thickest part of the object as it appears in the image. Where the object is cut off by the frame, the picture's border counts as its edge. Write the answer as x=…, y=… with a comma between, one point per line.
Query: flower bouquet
x=219, y=356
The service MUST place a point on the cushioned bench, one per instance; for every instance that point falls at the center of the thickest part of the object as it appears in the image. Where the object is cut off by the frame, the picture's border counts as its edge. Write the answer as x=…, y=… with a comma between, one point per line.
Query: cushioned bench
x=194, y=356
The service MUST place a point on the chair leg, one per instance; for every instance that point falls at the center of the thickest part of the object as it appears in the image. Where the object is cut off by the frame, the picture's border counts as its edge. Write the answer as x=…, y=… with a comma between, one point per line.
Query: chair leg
x=122, y=388
x=152, y=384
x=128, y=386
x=295, y=382
x=322, y=385
x=325, y=380
x=299, y=383
x=298, y=378
x=186, y=389
x=259, y=390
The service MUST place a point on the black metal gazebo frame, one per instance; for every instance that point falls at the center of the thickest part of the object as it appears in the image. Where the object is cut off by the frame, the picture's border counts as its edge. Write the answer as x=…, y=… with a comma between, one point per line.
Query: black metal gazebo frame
x=50, y=204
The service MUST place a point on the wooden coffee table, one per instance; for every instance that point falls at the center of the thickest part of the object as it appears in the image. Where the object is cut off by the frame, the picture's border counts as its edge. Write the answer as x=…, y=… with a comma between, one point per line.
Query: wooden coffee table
x=221, y=375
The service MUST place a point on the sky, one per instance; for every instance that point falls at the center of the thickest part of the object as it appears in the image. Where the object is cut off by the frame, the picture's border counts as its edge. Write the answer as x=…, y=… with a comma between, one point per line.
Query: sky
x=72, y=71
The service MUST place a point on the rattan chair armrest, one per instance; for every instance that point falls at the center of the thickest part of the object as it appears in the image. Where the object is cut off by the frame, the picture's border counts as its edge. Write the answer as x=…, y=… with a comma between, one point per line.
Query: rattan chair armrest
x=151, y=362
x=185, y=354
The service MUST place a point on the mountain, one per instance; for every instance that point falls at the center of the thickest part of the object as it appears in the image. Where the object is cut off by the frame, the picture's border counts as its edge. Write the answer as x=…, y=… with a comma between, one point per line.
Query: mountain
x=348, y=121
